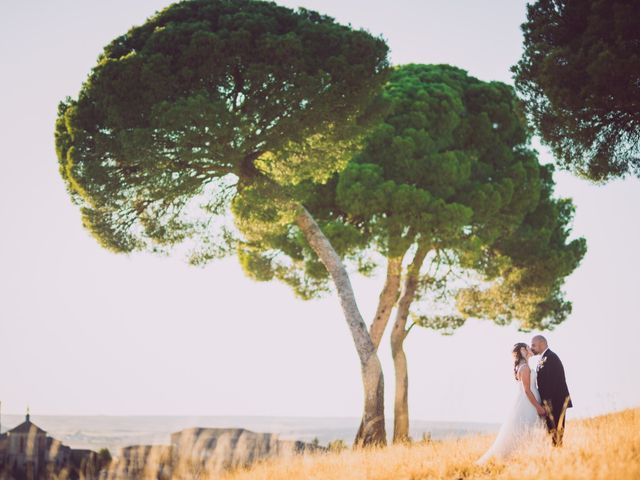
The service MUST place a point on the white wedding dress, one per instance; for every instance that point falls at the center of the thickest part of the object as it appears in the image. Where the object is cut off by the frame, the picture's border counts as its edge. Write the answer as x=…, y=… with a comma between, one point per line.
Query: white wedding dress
x=519, y=426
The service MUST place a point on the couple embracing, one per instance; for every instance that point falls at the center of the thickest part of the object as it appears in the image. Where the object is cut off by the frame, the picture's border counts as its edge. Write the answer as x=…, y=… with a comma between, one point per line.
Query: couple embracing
x=541, y=402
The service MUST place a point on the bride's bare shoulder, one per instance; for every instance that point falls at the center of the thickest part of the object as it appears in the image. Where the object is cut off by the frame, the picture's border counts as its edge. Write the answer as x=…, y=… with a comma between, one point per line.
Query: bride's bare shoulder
x=522, y=368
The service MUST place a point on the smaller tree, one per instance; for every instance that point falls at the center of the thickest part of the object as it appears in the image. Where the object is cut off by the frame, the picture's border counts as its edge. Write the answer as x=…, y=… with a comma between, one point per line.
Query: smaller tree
x=580, y=76
x=448, y=182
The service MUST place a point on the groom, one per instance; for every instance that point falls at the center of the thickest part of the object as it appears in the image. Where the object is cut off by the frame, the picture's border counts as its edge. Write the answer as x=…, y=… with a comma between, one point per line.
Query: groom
x=552, y=387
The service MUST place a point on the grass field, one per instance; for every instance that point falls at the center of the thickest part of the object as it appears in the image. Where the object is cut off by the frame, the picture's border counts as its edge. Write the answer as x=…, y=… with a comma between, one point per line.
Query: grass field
x=601, y=447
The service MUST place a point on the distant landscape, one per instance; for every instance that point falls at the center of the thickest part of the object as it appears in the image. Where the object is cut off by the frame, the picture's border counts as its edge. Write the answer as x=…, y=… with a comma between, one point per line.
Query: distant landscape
x=114, y=432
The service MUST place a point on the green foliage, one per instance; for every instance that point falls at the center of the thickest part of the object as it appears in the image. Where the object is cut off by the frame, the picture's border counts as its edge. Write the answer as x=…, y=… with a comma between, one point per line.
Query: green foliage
x=450, y=168
x=580, y=75
x=104, y=458
x=540, y=256
x=337, y=446
x=445, y=324
x=211, y=105
x=449, y=158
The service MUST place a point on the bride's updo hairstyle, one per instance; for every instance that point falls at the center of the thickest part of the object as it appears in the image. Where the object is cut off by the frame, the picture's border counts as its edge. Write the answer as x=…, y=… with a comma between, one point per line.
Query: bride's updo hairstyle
x=517, y=357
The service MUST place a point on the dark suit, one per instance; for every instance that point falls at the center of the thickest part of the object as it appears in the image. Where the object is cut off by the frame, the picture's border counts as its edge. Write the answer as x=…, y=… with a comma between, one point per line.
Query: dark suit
x=554, y=392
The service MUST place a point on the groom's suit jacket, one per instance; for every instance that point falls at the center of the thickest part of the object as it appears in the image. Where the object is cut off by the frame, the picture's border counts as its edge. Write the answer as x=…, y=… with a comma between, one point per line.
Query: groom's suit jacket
x=552, y=384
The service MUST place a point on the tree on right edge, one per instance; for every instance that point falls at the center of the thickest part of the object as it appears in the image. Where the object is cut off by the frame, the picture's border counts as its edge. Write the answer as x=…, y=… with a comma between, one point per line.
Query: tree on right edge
x=580, y=77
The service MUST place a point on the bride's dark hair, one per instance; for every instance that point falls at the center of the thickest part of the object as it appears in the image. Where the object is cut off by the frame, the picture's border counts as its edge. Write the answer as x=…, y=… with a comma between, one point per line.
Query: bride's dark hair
x=517, y=357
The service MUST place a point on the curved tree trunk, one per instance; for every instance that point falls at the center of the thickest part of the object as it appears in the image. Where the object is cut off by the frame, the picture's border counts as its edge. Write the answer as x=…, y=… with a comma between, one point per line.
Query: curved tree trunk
x=398, y=334
x=372, y=430
x=388, y=298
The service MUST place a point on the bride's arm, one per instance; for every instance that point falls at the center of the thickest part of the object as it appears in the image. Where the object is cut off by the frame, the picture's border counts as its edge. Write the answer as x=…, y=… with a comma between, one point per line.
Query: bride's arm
x=525, y=379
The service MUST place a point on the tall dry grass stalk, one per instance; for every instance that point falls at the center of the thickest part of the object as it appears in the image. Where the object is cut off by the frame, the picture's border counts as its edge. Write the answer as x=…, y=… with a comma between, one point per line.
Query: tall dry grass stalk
x=606, y=447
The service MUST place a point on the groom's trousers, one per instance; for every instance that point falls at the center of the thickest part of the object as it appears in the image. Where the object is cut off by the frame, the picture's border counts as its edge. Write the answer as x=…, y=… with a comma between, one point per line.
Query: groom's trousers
x=555, y=423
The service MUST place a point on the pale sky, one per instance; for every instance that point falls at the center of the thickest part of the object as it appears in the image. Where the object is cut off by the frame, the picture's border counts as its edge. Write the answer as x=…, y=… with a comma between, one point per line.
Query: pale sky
x=85, y=331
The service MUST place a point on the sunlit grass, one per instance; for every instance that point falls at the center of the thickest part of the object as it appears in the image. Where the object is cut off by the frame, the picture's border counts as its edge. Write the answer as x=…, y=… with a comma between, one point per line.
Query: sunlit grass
x=606, y=447
x=602, y=447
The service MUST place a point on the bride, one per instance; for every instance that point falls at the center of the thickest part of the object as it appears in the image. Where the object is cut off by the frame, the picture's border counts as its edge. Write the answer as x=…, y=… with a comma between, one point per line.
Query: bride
x=526, y=414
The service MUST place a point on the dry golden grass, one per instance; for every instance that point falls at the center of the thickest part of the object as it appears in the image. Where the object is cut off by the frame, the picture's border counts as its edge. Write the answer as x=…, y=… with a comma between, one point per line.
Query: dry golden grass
x=598, y=448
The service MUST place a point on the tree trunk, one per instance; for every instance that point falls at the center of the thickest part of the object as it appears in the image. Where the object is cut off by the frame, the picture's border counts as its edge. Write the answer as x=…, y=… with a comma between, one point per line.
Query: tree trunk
x=388, y=298
x=398, y=334
x=372, y=430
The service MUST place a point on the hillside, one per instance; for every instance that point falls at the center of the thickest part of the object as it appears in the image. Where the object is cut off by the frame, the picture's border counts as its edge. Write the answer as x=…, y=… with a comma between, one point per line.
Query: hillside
x=605, y=447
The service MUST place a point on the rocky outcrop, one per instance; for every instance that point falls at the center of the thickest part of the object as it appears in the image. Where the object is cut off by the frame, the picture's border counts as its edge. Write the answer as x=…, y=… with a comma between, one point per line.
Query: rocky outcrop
x=195, y=451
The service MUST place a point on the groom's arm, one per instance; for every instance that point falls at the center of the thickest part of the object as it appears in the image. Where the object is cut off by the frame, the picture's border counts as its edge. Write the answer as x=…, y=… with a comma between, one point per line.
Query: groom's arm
x=563, y=390
x=561, y=376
